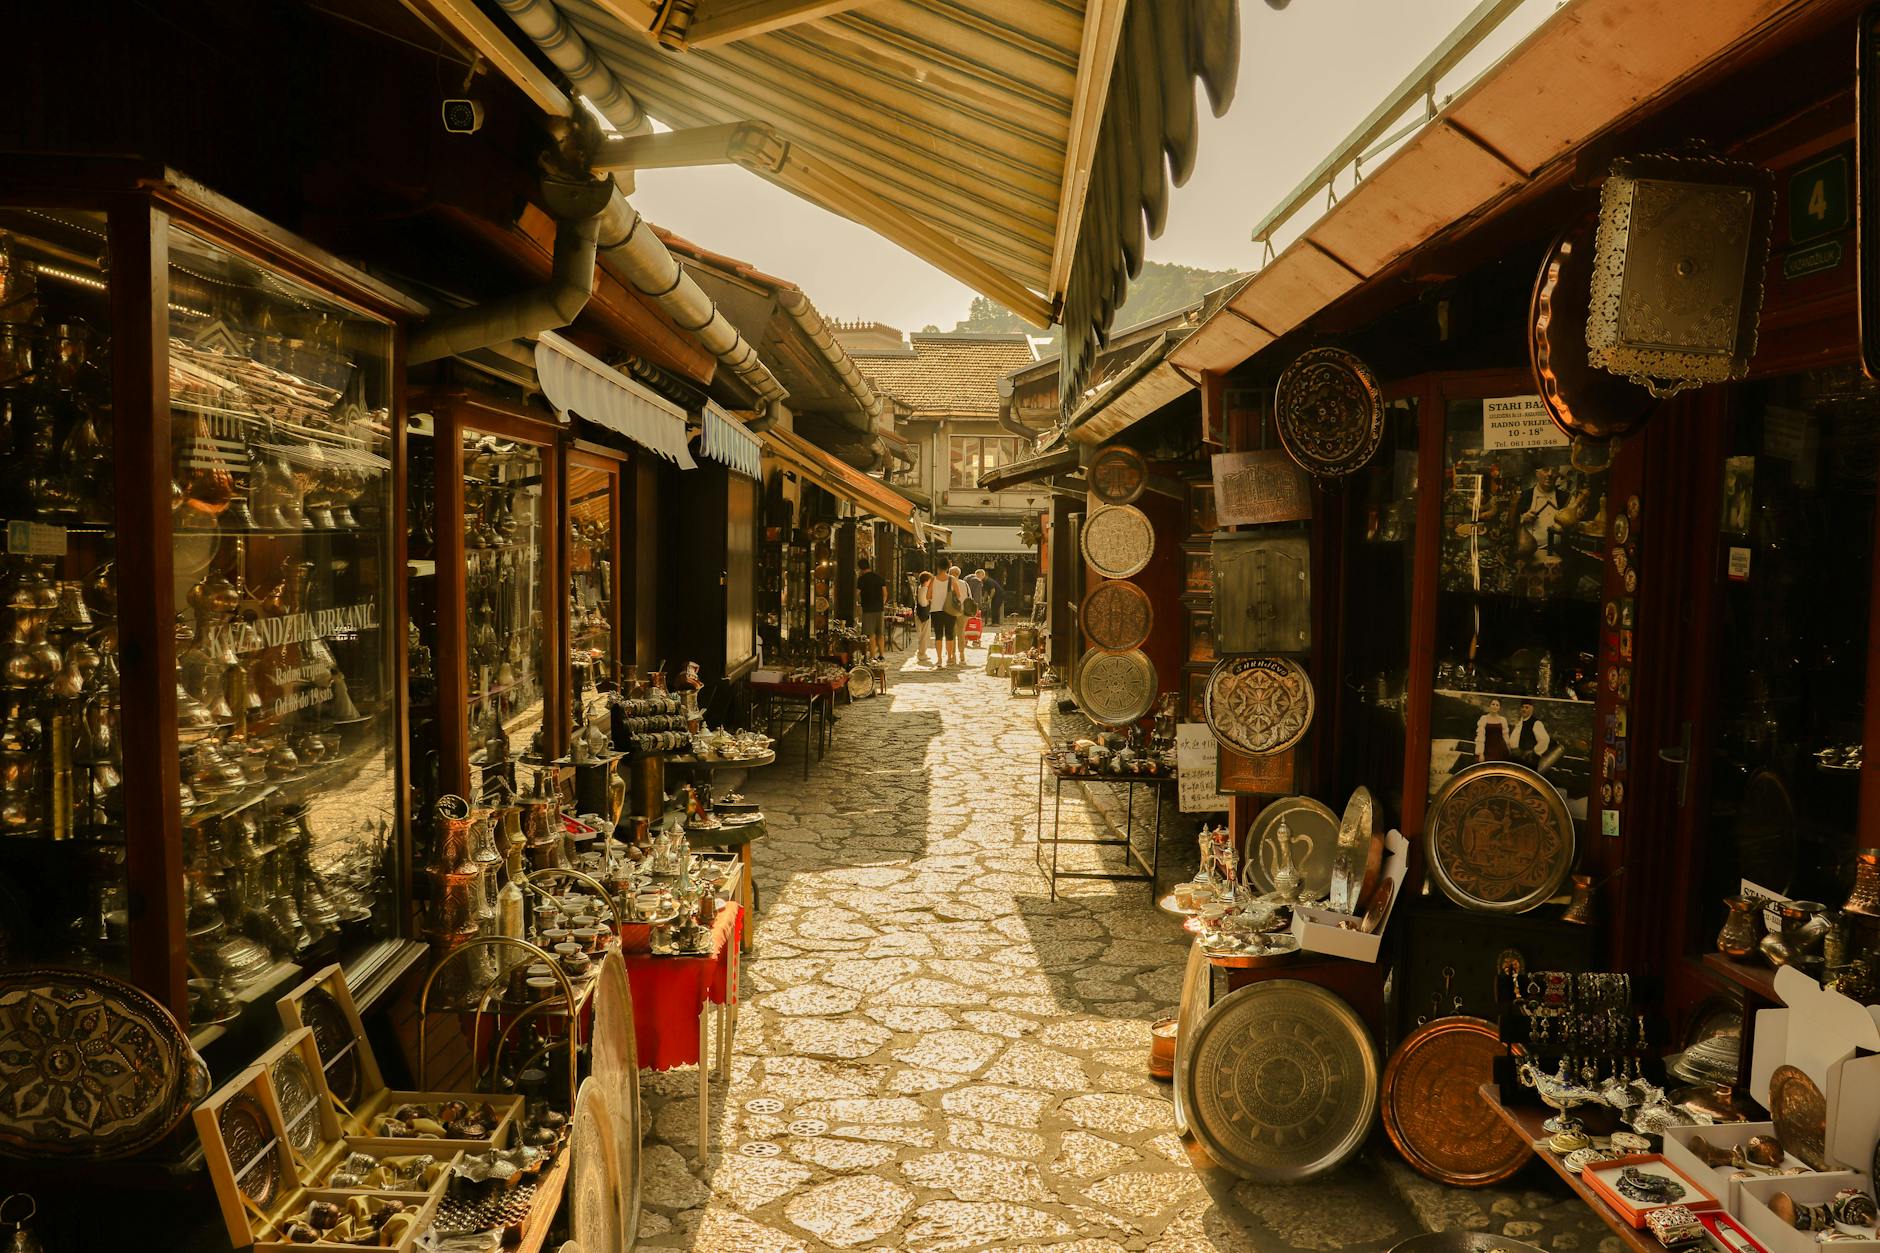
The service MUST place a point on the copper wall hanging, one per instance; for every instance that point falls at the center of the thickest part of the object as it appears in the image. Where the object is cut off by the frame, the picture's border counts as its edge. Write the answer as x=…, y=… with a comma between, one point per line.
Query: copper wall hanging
x=1280, y=1081
x=1677, y=282
x=1117, y=615
x=1582, y=400
x=1262, y=593
x=1259, y=705
x=1499, y=838
x=1329, y=411
x=1433, y=1106
x=1117, y=475
x=1117, y=540
x=1252, y=488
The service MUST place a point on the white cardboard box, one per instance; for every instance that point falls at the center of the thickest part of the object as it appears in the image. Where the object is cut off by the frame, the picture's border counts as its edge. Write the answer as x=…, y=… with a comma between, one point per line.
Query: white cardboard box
x=1778, y=1236
x=1823, y=1033
x=1317, y=930
x=1724, y=1136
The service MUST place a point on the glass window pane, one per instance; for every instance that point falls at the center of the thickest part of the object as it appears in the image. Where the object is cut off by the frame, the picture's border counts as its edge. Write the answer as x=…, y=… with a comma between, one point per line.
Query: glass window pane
x=591, y=592
x=281, y=464
x=505, y=582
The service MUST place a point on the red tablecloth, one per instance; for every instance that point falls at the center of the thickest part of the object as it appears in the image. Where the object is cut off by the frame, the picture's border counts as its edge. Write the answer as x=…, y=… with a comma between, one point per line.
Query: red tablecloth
x=670, y=992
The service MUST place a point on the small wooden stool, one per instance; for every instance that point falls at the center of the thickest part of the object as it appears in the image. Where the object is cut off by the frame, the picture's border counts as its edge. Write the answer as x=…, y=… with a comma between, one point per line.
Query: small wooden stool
x=1024, y=675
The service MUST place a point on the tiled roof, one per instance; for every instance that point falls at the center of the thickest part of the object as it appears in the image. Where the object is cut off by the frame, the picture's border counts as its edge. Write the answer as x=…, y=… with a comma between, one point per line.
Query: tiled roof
x=946, y=374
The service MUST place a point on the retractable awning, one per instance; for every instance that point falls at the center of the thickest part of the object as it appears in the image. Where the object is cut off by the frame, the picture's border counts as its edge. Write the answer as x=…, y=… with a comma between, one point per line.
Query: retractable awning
x=576, y=381
x=1029, y=470
x=724, y=439
x=839, y=478
x=992, y=541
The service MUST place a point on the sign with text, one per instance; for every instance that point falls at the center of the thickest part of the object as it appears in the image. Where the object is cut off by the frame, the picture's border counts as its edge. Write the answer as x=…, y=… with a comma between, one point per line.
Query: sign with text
x=1194, y=764
x=1519, y=422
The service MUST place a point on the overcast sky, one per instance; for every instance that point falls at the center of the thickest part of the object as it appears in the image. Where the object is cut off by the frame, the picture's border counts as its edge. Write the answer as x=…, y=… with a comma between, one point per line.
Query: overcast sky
x=1308, y=76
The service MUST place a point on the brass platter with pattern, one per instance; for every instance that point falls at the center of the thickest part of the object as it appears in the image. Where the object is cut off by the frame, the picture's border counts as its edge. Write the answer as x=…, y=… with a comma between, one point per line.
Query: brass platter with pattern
x=1800, y=1114
x=1115, y=689
x=1117, y=540
x=1433, y=1107
x=1259, y=705
x=1280, y=1081
x=1329, y=411
x=1582, y=399
x=616, y=1065
x=594, y=1201
x=1197, y=996
x=250, y=1145
x=1499, y=838
x=1314, y=831
x=1117, y=475
x=1117, y=615
x=299, y=1105
x=333, y=1040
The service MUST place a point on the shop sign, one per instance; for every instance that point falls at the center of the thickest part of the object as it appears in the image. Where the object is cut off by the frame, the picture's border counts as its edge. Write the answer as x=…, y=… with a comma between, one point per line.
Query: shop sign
x=35, y=539
x=1818, y=200
x=1195, y=775
x=1812, y=260
x=1519, y=422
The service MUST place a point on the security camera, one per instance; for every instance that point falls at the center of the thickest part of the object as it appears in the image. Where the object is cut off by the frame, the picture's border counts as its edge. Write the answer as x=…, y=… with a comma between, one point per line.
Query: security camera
x=463, y=117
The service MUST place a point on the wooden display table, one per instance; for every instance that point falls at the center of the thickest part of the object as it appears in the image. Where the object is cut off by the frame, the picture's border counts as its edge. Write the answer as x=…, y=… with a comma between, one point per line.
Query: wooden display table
x=1528, y=1123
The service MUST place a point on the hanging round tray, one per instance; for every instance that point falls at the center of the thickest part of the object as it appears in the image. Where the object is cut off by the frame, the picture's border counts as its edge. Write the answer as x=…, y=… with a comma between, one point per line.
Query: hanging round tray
x=1329, y=411
x=1583, y=399
x=1259, y=705
x=1117, y=476
x=1117, y=616
x=1115, y=689
x=1118, y=540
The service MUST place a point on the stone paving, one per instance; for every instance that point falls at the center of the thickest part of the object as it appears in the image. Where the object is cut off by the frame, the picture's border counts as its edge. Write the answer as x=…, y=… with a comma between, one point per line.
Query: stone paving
x=935, y=1055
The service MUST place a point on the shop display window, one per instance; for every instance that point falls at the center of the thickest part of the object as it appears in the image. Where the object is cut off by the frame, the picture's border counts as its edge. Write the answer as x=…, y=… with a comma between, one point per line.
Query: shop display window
x=506, y=569
x=1521, y=575
x=63, y=892
x=280, y=466
x=1795, y=543
x=593, y=592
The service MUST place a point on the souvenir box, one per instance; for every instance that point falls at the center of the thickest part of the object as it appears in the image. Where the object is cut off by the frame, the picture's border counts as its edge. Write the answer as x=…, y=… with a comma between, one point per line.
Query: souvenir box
x=1725, y=1234
x=1720, y=1179
x=267, y=1164
x=1778, y=1236
x=1830, y=1038
x=1602, y=1179
x=352, y=1076
x=1325, y=930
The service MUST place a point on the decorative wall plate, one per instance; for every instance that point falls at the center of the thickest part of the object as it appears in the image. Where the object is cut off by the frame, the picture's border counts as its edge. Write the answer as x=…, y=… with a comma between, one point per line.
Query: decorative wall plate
x=1499, y=838
x=594, y=1202
x=294, y=1094
x=1330, y=412
x=1262, y=592
x=1116, y=615
x=1314, y=830
x=1251, y=488
x=333, y=1040
x=617, y=1068
x=1800, y=1113
x=1115, y=689
x=1117, y=475
x=251, y=1148
x=1582, y=399
x=1259, y=705
x=90, y=1067
x=1118, y=540
x=1433, y=1107
x=1280, y=1081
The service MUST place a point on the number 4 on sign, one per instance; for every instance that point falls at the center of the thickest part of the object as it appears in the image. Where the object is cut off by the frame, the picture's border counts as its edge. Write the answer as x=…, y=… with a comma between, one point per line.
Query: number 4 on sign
x=1818, y=201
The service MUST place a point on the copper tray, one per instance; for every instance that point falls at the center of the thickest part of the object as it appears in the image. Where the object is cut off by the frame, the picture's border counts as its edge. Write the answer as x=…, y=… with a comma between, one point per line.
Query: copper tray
x=1118, y=540
x=1117, y=476
x=1115, y=689
x=1800, y=1114
x=1499, y=838
x=1259, y=705
x=1329, y=411
x=1582, y=399
x=1280, y=1081
x=1433, y=1107
x=1117, y=616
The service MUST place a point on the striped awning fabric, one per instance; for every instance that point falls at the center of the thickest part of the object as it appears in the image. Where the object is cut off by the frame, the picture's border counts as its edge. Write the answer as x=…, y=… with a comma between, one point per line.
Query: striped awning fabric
x=576, y=381
x=725, y=441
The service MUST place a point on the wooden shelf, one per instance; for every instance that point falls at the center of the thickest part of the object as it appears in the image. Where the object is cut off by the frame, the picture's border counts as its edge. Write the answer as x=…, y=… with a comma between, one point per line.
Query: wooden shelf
x=1528, y=1123
x=1758, y=980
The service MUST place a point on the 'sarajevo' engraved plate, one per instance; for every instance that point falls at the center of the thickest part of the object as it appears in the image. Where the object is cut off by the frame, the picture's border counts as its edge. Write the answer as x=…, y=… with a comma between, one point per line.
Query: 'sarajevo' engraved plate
x=1259, y=705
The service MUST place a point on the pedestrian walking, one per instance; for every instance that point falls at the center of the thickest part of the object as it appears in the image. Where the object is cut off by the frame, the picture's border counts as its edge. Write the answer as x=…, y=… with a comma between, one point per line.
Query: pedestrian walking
x=923, y=625
x=871, y=594
x=947, y=600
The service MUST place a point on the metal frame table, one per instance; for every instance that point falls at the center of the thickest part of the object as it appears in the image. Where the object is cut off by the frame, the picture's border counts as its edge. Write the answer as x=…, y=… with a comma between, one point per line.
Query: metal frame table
x=817, y=701
x=1150, y=868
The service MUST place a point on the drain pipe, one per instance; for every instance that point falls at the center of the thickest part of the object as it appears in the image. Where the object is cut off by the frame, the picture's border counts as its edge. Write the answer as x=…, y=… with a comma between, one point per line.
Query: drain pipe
x=543, y=23
x=576, y=206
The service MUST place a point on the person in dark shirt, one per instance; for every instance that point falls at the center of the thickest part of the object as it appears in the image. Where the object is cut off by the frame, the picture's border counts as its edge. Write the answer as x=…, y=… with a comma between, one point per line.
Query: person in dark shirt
x=871, y=593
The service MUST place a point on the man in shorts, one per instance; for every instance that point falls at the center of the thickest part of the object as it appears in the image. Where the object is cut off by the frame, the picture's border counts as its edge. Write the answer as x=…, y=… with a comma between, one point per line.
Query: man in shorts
x=871, y=594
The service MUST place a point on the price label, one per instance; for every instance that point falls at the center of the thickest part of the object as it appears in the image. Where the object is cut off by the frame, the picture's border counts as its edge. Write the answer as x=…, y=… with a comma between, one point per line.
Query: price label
x=35, y=539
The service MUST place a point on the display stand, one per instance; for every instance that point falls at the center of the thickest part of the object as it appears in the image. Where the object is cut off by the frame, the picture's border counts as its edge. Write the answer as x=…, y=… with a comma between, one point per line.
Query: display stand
x=1130, y=782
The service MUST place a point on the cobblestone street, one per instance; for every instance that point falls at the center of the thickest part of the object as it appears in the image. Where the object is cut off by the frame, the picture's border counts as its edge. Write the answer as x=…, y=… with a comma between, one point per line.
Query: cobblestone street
x=935, y=1055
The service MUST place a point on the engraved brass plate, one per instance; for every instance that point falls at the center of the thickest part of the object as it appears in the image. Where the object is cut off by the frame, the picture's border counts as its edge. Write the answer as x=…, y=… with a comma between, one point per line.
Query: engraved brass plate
x=617, y=1068
x=249, y=1143
x=1314, y=831
x=1329, y=411
x=1116, y=615
x=300, y=1110
x=1677, y=281
x=1117, y=476
x=1118, y=541
x=1433, y=1107
x=1259, y=705
x=1499, y=838
x=1800, y=1113
x=1115, y=689
x=1280, y=1081
x=1262, y=593
x=333, y=1040
x=1252, y=488
x=594, y=1205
